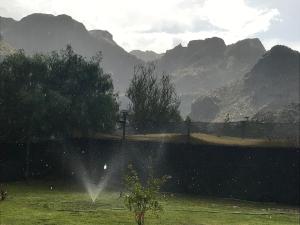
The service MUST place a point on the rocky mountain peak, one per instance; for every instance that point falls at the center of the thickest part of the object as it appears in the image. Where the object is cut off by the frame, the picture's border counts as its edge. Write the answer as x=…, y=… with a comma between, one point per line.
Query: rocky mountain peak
x=271, y=85
x=5, y=23
x=248, y=50
x=213, y=42
x=146, y=56
x=35, y=17
x=43, y=33
x=48, y=21
x=278, y=61
x=249, y=43
x=102, y=34
x=281, y=50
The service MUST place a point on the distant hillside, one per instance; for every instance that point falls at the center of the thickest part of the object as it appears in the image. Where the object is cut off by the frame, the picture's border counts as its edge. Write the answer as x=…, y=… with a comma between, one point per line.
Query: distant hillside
x=272, y=86
x=6, y=23
x=205, y=65
x=289, y=113
x=45, y=33
x=146, y=56
x=240, y=79
x=103, y=35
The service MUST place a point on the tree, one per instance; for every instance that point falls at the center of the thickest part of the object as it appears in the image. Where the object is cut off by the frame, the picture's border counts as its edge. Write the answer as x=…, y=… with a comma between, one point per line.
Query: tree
x=54, y=95
x=140, y=198
x=22, y=99
x=154, y=101
x=226, y=125
x=81, y=93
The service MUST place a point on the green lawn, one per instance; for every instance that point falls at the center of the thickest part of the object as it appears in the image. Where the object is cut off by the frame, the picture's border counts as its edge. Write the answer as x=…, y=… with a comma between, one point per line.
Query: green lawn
x=38, y=204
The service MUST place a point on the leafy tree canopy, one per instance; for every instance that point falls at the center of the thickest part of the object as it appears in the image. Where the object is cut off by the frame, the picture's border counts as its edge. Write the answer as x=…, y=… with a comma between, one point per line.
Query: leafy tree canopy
x=154, y=101
x=54, y=95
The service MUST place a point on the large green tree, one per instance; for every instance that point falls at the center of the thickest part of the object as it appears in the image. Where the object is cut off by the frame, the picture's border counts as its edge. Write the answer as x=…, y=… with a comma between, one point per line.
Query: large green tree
x=54, y=95
x=81, y=94
x=154, y=101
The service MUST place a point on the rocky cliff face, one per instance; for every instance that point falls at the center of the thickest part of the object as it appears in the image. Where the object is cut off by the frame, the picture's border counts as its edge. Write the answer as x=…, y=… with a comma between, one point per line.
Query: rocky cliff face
x=146, y=56
x=103, y=35
x=272, y=85
x=205, y=65
x=45, y=33
x=197, y=52
x=5, y=23
x=208, y=64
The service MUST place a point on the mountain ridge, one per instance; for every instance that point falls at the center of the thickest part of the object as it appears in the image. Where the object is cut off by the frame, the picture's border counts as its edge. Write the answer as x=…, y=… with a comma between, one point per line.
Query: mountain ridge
x=205, y=65
x=203, y=71
x=45, y=33
x=272, y=84
x=146, y=56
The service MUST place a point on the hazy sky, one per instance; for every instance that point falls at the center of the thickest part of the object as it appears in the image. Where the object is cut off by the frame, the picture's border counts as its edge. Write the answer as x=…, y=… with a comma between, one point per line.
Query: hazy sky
x=161, y=24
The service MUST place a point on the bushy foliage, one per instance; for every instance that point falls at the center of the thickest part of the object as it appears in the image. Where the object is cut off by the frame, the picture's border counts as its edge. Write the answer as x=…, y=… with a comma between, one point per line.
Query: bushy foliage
x=140, y=198
x=3, y=195
x=154, y=101
x=54, y=95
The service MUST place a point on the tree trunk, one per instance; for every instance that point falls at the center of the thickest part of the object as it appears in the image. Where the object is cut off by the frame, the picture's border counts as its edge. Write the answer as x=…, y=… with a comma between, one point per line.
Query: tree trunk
x=27, y=159
x=139, y=217
x=28, y=143
x=63, y=154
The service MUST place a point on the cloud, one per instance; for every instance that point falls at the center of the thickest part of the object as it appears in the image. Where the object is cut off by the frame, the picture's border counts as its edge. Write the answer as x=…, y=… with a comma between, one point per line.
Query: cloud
x=175, y=27
x=144, y=24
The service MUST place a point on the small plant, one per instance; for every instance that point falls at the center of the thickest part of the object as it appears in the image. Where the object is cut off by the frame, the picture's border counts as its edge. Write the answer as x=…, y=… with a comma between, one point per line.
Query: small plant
x=140, y=198
x=3, y=195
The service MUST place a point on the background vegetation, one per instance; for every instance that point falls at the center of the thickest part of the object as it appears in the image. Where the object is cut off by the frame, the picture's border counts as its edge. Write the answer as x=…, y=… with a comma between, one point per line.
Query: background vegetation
x=154, y=102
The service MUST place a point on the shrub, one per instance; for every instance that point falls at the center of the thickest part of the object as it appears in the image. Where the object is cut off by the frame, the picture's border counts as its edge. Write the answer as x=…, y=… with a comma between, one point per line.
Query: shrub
x=140, y=198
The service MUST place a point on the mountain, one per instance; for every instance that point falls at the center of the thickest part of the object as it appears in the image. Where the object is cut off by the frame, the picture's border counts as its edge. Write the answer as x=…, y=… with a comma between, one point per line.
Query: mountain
x=146, y=56
x=103, y=35
x=45, y=33
x=271, y=86
x=205, y=65
x=288, y=113
x=208, y=64
x=5, y=23
x=211, y=78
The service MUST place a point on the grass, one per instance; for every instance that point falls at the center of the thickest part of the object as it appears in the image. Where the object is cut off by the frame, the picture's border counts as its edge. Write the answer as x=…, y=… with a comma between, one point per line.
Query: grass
x=200, y=138
x=31, y=204
x=236, y=141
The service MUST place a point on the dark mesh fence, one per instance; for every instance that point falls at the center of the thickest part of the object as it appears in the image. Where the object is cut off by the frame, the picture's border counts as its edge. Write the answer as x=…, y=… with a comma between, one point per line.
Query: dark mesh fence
x=250, y=173
x=243, y=129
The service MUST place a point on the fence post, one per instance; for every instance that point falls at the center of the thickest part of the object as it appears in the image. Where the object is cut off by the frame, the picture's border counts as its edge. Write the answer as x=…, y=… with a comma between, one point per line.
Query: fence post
x=188, y=126
x=123, y=122
x=245, y=126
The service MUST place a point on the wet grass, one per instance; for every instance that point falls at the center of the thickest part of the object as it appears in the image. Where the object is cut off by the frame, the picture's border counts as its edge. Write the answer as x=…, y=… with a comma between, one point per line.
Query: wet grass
x=37, y=203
